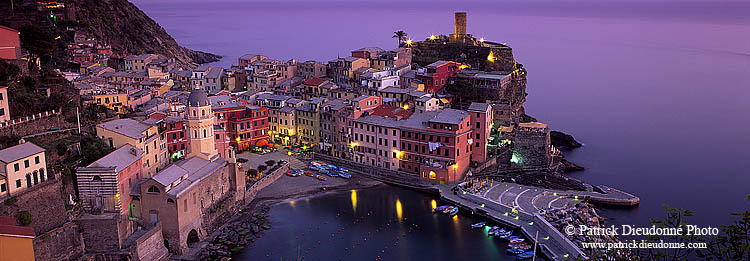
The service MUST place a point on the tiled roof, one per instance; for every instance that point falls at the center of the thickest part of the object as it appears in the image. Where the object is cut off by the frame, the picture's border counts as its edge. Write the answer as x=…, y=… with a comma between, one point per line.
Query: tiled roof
x=128, y=127
x=315, y=81
x=119, y=159
x=19, y=151
x=481, y=107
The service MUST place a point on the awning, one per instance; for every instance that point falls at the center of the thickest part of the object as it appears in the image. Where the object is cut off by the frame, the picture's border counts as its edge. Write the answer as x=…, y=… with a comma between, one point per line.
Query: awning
x=261, y=143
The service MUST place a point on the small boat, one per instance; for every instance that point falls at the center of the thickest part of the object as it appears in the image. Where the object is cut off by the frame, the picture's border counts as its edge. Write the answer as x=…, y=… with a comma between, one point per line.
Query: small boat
x=525, y=255
x=440, y=208
x=317, y=163
x=516, y=240
x=515, y=251
x=505, y=235
x=478, y=225
x=453, y=211
x=323, y=178
x=448, y=209
x=345, y=175
x=492, y=231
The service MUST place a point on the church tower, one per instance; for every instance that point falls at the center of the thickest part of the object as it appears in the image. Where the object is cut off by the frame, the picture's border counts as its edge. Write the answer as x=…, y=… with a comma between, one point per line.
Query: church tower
x=200, y=125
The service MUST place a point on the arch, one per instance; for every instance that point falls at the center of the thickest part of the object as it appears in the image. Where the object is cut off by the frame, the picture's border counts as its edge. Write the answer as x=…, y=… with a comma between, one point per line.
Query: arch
x=153, y=189
x=195, y=113
x=96, y=178
x=192, y=238
x=203, y=112
x=169, y=200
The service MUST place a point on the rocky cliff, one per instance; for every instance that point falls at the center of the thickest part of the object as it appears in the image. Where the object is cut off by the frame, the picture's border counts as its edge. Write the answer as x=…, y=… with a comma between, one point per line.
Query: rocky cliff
x=129, y=30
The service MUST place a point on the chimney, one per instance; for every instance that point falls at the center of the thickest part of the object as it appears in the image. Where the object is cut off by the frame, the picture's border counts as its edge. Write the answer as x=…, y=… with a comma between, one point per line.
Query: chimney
x=460, y=24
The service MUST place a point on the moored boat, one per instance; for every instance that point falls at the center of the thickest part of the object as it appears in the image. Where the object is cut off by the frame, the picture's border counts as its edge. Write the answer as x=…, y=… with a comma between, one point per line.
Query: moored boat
x=479, y=225
x=525, y=255
x=514, y=251
x=440, y=208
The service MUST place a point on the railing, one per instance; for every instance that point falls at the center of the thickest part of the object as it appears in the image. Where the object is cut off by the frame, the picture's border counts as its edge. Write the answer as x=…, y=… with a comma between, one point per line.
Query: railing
x=26, y=119
x=378, y=173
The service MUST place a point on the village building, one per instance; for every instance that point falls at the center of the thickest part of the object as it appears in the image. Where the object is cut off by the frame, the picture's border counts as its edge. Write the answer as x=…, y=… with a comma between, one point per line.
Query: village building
x=10, y=43
x=16, y=242
x=311, y=69
x=481, y=123
x=106, y=183
x=22, y=167
x=435, y=75
x=4, y=104
x=146, y=137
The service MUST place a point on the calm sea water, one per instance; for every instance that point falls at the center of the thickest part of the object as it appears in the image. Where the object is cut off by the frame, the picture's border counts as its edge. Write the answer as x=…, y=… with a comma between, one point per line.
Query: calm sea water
x=389, y=223
x=658, y=95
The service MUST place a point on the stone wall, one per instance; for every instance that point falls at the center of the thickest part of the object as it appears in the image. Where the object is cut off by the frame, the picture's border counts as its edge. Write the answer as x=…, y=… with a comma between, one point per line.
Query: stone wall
x=61, y=243
x=45, y=202
x=263, y=182
x=36, y=126
x=150, y=246
x=100, y=232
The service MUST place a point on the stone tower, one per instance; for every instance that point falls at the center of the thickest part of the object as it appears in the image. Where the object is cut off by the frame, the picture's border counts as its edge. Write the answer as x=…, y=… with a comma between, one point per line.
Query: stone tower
x=460, y=24
x=200, y=124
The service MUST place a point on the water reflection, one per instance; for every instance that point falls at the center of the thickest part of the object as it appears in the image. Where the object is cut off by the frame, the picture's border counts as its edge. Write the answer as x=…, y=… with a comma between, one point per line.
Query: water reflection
x=291, y=203
x=354, y=200
x=399, y=210
x=433, y=203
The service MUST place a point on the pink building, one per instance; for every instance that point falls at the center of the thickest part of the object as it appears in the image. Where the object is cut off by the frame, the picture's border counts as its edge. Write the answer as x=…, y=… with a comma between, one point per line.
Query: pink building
x=481, y=124
x=106, y=183
x=10, y=44
x=436, y=75
x=436, y=144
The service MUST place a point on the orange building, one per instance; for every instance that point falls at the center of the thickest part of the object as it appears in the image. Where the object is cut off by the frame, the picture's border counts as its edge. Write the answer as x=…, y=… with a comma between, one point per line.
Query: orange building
x=15, y=241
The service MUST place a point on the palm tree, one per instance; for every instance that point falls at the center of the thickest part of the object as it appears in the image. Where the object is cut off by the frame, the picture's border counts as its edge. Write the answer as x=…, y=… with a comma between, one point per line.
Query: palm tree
x=401, y=35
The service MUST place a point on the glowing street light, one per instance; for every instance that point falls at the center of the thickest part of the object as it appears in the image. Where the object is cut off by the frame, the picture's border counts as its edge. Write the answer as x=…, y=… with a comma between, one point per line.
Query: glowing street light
x=433, y=37
x=481, y=40
x=408, y=42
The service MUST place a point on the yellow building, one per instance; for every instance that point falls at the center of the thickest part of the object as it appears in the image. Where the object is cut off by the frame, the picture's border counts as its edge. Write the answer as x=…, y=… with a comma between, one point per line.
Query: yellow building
x=114, y=101
x=15, y=241
x=4, y=111
x=145, y=137
x=21, y=167
x=283, y=124
x=308, y=122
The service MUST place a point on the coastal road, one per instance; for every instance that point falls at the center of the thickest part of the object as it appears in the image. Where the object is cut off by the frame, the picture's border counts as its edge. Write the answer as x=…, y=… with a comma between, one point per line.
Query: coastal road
x=534, y=199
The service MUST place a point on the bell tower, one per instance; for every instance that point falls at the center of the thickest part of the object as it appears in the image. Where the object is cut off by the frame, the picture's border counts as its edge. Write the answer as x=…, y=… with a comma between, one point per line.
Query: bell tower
x=200, y=125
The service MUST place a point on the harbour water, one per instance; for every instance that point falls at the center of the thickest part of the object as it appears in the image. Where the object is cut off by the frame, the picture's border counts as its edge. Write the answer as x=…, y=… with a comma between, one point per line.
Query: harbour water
x=658, y=95
x=387, y=222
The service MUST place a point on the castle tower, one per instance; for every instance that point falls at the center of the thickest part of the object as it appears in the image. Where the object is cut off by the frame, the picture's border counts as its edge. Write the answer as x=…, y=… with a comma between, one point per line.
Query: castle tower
x=460, y=24
x=200, y=124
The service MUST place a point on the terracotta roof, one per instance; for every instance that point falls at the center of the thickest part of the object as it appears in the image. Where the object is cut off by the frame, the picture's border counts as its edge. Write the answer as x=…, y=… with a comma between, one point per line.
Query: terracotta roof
x=8, y=228
x=8, y=28
x=391, y=112
x=315, y=81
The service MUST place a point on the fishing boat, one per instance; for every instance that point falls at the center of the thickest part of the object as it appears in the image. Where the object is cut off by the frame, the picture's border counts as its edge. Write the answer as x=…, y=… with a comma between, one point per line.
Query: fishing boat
x=505, y=235
x=492, y=231
x=515, y=251
x=516, y=240
x=448, y=209
x=440, y=208
x=525, y=255
x=323, y=178
x=453, y=211
x=478, y=225
x=345, y=175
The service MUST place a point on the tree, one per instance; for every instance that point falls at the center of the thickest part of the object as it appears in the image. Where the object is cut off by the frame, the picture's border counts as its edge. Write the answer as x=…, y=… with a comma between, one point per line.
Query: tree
x=262, y=168
x=270, y=162
x=401, y=35
x=93, y=148
x=462, y=91
x=61, y=149
x=8, y=72
x=39, y=41
x=733, y=243
x=24, y=218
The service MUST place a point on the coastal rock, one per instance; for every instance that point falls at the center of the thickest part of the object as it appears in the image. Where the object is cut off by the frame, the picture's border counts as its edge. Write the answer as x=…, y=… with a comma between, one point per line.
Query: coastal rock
x=560, y=139
x=571, y=167
x=526, y=118
x=129, y=30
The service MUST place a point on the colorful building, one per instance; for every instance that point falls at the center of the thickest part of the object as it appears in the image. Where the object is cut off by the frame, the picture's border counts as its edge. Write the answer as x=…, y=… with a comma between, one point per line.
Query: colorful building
x=4, y=103
x=10, y=43
x=22, y=167
x=106, y=183
x=245, y=125
x=481, y=123
x=16, y=242
x=146, y=137
x=435, y=75
x=117, y=102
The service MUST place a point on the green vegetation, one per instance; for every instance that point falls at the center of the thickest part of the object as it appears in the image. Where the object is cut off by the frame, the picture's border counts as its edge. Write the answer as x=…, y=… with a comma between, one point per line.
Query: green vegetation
x=92, y=149
x=270, y=162
x=11, y=201
x=8, y=72
x=39, y=41
x=25, y=218
x=401, y=35
x=462, y=91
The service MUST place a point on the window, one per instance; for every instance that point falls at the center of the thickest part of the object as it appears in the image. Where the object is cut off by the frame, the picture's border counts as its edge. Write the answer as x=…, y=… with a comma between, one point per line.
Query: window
x=18, y=183
x=16, y=167
x=184, y=205
x=169, y=200
x=153, y=189
x=26, y=163
x=2, y=187
x=2, y=111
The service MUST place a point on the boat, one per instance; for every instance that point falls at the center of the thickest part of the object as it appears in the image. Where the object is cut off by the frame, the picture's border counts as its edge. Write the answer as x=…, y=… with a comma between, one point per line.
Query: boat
x=492, y=231
x=525, y=255
x=307, y=173
x=345, y=175
x=453, y=211
x=479, y=225
x=516, y=240
x=505, y=235
x=327, y=172
x=317, y=163
x=323, y=178
x=515, y=251
x=313, y=168
x=440, y=208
